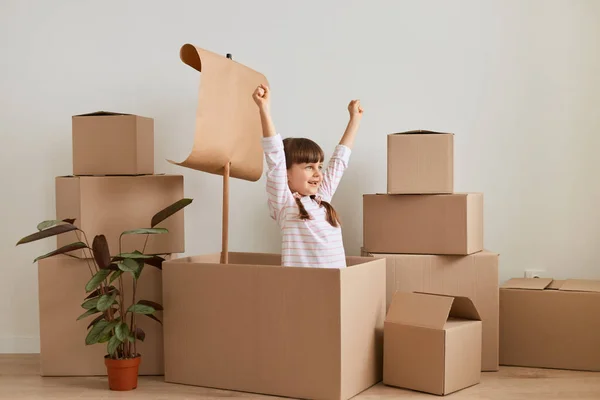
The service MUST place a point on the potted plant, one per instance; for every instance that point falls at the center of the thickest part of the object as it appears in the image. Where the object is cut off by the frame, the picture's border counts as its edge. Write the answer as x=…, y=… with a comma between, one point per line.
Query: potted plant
x=115, y=323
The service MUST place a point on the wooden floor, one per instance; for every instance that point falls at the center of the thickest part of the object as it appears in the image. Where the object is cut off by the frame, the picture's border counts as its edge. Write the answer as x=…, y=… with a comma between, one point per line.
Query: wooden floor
x=19, y=379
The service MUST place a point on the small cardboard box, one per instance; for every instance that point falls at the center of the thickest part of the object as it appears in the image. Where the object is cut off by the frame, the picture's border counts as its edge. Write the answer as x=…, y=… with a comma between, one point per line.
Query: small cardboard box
x=474, y=276
x=547, y=323
x=254, y=326
x=423, y=224
x=63, y=352
x=432, y=343
x=107, y=143
x=420, y=162
x=109, y=205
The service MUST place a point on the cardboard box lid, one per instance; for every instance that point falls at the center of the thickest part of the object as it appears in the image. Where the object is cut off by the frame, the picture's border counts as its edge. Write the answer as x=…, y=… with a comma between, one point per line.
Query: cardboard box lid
x=571, y=285
x=429, y=310
x=100, y=113
x=420, y=132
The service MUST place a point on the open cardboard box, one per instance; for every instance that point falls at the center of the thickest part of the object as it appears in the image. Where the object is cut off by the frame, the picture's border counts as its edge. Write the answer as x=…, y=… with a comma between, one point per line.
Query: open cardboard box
x=432, y=343
x=252, y=325
x=549, y=323
x=241, y=321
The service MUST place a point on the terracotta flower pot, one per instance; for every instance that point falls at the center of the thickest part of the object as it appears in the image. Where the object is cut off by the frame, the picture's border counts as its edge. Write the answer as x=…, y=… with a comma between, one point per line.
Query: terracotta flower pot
x=122, y=374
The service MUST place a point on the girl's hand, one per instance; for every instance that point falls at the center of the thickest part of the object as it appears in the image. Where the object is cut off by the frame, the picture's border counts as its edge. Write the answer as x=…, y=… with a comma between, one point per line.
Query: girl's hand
x=262, y=96
x=355, y=109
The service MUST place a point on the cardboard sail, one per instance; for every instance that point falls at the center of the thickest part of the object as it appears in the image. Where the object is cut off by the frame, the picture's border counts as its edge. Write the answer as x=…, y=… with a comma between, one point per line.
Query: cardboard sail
x=228, y=129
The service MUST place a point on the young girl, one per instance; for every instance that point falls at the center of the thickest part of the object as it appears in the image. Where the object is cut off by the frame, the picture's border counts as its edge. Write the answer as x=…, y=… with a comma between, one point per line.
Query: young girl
x=299, y=191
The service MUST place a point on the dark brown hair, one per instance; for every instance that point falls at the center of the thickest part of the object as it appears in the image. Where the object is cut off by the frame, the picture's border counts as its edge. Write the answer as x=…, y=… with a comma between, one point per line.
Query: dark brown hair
x=303, y=150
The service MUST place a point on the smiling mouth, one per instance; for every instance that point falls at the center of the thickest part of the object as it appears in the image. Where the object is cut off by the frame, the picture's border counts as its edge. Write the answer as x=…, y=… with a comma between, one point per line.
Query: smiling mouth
x=313, y=183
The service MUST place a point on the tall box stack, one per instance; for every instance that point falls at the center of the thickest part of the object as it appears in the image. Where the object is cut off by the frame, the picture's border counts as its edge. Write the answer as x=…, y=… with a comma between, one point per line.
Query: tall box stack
x=114, y=188
x=431, y=236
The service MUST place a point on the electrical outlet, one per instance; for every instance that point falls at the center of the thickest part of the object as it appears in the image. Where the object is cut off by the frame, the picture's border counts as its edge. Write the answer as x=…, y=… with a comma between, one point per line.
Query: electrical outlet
x=534, y=273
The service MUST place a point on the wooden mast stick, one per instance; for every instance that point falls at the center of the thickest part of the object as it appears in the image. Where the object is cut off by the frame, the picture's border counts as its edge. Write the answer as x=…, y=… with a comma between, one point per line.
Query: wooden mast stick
x=225, y=222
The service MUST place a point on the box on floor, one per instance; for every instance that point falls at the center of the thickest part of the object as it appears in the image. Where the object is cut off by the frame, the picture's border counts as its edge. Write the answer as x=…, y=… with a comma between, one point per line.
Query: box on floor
x=63, y=352
x=109, y=205
x=547, y=323
x=423, y=224
x=254, y=326
x=106, y=143
x=474, y=276
x=432, y=343
x=420, y=162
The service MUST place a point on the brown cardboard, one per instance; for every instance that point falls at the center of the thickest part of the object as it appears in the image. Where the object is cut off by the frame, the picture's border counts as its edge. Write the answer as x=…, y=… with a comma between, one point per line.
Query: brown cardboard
x=547, y=323
x=255, y=326
x=109, y=205
x=228, y=127
x=63, y=352
x=432, y=343
x=107, y=143
x=474, y=276
x=420, y=162
x=423, y=224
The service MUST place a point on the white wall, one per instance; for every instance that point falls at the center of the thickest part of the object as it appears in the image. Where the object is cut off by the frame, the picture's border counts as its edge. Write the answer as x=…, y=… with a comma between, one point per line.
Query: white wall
x=510, y=78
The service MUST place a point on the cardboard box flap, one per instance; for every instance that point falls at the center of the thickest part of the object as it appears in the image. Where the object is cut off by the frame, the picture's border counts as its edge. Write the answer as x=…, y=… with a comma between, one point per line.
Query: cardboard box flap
x=420, y=309
x=421, y=132
x=463, y=308
x=581, y=285
x=100, y=113
x=527, y=283
x=228, y=128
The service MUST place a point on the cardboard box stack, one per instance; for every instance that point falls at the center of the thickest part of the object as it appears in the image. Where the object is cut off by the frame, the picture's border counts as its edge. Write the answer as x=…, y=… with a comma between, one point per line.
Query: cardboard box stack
x=113, y=189
x=432, y=237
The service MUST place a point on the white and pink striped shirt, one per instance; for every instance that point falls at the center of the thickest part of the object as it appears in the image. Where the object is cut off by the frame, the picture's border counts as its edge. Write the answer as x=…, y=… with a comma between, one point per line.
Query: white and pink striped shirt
x=305, y=243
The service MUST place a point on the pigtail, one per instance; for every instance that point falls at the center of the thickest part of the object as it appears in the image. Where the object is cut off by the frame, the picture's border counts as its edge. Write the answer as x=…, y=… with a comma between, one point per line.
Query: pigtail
x=303, y=213
x=332, y=216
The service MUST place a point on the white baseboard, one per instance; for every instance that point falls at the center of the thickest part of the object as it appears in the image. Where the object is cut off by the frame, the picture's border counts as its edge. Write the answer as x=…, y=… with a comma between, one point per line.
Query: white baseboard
x=19, y=344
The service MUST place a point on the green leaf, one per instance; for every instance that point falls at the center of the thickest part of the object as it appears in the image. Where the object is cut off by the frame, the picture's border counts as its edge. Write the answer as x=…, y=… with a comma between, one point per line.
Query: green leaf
x=55, y=230
x=62, y=250
x=131, y=338
x=140, y=334
x=105, y=338
x=97, y=279
x=135, y=255
x=136, y=274
x=152, y=304
x=168, y=211
x=122, y=331
x=90, y=311
x=113, y=345
x=98, y=318
x=91, y=303
x=101, y=328
x=96, y=332
x=115, y=275
x=141, y=309
x=52, y=222
x=143, y=231
x=106, y=300
x=128, y=265
x=101, y=252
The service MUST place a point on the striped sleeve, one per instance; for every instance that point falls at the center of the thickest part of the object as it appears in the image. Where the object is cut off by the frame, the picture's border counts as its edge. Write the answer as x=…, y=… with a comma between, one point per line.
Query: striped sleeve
x=278, y=192
x=334, y=172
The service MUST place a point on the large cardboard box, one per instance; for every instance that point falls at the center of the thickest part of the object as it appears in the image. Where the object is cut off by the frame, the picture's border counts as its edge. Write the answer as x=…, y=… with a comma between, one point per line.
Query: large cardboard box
x=63, y=352
x=548, y=323
x=420, y=162
x=109, y=205
x=106, y=143
x=474, y=276
x=252, y=325
x=423, y=224
x=432, y=343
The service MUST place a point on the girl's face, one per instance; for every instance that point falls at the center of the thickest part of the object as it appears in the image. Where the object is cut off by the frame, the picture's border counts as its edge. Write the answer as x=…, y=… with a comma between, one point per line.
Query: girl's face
x=305, y=178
